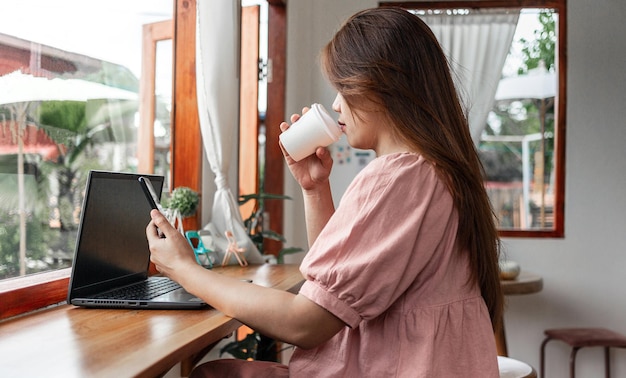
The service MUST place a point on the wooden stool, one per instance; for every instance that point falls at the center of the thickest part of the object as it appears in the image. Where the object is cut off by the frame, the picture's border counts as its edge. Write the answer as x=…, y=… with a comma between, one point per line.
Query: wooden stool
x=510, y=368
x=583, y=337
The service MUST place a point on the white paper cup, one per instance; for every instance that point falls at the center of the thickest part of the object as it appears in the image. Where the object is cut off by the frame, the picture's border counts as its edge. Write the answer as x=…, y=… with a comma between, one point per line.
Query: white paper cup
x=314, y=129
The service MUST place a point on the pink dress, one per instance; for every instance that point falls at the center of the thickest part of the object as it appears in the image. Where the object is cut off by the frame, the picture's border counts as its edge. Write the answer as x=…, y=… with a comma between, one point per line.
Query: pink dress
x=387, y=265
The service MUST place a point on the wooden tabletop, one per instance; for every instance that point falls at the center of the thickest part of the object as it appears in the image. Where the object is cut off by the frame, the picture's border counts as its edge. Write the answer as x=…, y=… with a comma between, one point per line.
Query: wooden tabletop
x=524, y=283
x=69, y=341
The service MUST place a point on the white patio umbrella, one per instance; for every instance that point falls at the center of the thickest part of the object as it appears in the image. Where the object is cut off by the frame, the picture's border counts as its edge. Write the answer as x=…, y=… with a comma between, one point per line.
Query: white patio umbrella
x=19, y=87
x=537, y=84
x=18, y=91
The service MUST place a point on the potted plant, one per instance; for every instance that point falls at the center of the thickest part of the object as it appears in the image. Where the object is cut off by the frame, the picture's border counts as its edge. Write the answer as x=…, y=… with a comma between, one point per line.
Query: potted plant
x=256, y=227
x=181, y=203
x=254, y=345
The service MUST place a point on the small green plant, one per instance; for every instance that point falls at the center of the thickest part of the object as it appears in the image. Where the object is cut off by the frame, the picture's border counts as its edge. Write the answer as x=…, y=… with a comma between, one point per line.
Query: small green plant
x=184, y=200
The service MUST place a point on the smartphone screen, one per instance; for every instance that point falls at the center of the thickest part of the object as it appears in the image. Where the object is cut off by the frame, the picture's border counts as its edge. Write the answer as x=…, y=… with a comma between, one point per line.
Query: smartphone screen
x=150, y=193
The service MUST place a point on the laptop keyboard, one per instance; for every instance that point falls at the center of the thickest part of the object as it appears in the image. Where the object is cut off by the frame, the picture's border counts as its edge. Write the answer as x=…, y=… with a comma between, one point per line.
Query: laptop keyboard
x=143, y=290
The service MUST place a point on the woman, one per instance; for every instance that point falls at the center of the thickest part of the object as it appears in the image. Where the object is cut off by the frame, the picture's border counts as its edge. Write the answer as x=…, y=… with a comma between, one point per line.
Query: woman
x=402, y=278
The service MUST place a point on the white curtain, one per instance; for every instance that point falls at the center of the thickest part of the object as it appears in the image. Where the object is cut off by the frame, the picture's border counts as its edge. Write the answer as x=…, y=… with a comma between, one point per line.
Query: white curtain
x=477, y=44
x=217, y=71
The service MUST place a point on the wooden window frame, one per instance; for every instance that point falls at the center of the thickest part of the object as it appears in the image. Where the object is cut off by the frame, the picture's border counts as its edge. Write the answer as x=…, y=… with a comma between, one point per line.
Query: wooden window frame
x=152, y=34
x=275, y=114
x=560, y=126
x=25, y=294
x=30, y=293
x=249, y=122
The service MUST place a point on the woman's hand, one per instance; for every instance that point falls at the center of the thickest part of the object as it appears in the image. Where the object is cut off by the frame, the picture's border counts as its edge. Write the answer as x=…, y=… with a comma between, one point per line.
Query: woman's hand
x=312, y=170
x=172, y=255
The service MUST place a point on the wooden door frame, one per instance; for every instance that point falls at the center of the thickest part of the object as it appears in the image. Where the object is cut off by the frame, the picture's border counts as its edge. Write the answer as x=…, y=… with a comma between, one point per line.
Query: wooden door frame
x=249, y=122
x=186, y=145
x=274, y=161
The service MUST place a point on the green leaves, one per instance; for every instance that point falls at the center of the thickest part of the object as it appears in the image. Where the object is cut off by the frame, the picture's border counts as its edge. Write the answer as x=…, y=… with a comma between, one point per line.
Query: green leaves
x=542, y=47
x=183, y=199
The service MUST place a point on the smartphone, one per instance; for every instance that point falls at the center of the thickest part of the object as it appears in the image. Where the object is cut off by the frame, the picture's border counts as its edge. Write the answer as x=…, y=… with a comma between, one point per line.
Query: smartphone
x=152, y=197
x=150, y=193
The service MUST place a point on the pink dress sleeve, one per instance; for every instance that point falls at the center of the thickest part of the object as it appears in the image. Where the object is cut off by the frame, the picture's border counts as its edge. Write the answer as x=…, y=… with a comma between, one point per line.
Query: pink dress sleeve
x=392, y=219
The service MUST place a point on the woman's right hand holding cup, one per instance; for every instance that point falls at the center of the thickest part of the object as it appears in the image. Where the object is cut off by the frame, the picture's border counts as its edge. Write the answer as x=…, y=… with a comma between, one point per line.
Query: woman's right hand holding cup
x=312, y=170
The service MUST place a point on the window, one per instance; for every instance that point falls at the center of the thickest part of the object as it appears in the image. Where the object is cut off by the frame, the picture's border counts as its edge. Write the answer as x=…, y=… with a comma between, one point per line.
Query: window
x=51, y=287
x=514, y=88
x=51, y=136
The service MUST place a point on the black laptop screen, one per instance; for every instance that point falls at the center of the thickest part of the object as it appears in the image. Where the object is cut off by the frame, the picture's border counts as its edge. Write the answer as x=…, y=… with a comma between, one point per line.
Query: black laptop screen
x=111, y=245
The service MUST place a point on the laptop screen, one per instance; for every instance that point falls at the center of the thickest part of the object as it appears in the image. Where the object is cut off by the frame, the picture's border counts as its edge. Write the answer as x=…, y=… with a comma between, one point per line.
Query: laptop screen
x=111, y=248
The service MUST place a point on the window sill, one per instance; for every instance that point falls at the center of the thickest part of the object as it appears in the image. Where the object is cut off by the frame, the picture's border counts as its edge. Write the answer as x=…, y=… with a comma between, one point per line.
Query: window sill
x=25, y=294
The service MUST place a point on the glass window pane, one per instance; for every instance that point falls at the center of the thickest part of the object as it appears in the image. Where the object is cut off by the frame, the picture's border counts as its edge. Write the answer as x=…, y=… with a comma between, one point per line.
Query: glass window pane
x=514, y=101
x=69, y=84
x=162, y=121
x=517, y=144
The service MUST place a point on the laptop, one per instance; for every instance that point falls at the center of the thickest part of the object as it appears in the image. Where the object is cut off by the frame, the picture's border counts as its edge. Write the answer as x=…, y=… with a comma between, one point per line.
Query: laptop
x=111, y=257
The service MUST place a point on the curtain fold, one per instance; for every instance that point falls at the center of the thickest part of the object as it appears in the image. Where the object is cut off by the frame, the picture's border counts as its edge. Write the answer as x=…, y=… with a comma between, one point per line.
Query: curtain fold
x=217, y=72
x=477, y=44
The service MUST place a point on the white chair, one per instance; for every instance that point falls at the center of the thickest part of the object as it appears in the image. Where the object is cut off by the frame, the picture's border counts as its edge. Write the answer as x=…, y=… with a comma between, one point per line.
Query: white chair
x=511, y=368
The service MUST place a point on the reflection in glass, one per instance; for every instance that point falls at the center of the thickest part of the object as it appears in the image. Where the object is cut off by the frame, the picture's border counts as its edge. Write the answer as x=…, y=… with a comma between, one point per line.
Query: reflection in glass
x=69, y=83
x=517, y=145
x=511, y=102
x=162, y=122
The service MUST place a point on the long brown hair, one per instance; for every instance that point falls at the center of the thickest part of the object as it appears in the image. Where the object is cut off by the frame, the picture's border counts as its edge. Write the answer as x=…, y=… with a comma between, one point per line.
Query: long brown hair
x=390, y=57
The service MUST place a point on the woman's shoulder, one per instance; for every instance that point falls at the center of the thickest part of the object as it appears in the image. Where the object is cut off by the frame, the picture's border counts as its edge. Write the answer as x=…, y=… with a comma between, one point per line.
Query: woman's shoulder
x=395, y=176
x=398, y=166
x=399, y=159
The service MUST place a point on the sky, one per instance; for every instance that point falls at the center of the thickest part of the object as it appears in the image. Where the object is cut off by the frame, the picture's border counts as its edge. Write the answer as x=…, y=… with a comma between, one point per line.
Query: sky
x=104, y=29
x=526, y=25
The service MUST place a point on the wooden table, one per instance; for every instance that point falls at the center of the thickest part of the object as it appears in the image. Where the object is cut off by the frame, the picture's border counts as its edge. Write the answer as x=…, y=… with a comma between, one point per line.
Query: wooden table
x=68, y=341
x=525, y=283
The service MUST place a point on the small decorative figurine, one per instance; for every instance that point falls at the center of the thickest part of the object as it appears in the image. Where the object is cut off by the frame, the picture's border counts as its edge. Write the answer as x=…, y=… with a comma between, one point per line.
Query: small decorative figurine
x=234, y=249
